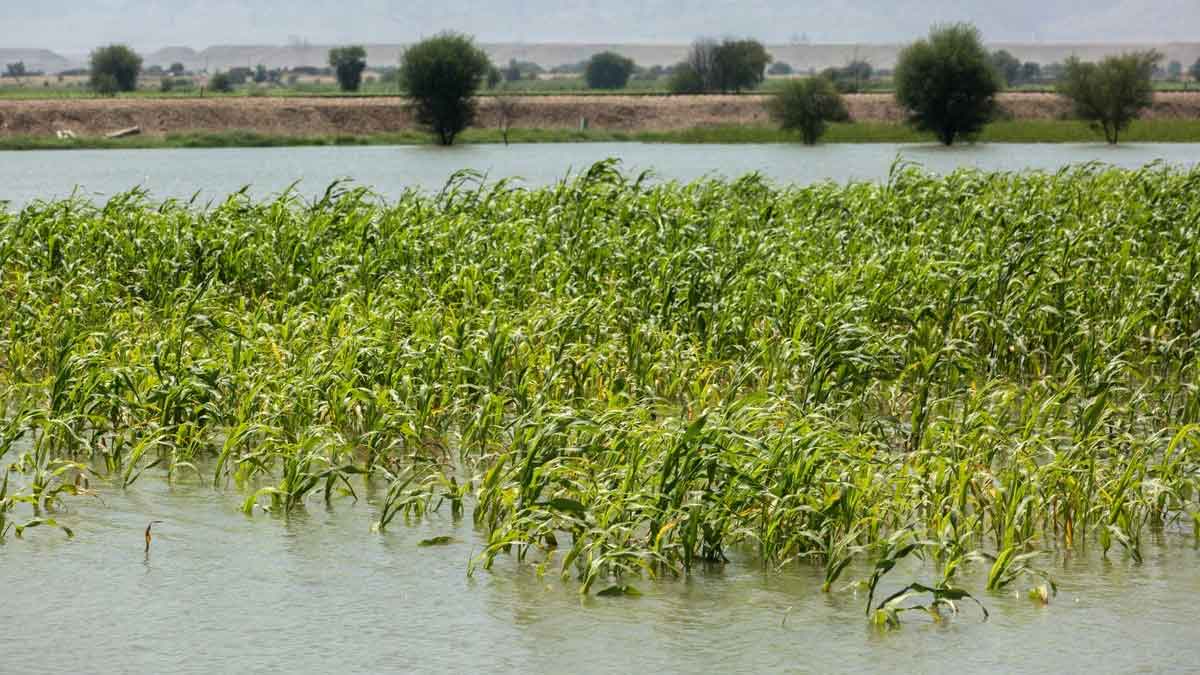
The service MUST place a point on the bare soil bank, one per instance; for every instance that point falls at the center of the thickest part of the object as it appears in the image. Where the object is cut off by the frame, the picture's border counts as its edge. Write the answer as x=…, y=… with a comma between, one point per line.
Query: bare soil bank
x=377, y=115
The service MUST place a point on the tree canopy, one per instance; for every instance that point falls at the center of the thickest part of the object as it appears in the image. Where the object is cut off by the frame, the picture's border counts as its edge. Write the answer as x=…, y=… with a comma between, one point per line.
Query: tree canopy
x=441, y=75
x=608, y=70
x=1111, y=94
x=115, y=68
x=348, y=64
x=726, y=66
x=808, y=106
x=947, y=83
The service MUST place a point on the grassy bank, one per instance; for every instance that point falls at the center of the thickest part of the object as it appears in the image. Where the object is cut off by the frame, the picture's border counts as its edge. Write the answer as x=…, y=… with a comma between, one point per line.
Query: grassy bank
x=616, y=380
x=1020, y=131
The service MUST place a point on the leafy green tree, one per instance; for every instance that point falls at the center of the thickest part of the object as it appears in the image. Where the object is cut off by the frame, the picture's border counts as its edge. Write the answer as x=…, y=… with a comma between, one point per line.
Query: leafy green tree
x=240, y=75
x=685, y=79
x=176, y=69
x=1194, y=71
x=261, y=74
x=608, y=70
x=726, y=66
x=808, y=106
x=738, y=65
x=221, y=82
x=348, y=64
x=1008, y=66
x=115, y=68
x=947, y=83
x=441, y=75
x=1031, y=71
x=16, y=70
x=1111, y=94
x=1175, y=70
x=850, y=79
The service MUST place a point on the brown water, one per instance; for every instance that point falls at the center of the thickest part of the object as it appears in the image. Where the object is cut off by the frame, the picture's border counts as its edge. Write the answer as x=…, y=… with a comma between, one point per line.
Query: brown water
x=214, y=173
x=320, y=592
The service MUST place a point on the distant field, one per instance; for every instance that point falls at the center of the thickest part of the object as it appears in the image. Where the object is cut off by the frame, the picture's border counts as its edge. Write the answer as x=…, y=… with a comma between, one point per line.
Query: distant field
x=374, y=85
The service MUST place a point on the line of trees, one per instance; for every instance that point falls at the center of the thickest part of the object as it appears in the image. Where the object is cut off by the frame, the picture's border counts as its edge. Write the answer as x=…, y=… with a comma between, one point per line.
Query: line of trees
x=948, y=84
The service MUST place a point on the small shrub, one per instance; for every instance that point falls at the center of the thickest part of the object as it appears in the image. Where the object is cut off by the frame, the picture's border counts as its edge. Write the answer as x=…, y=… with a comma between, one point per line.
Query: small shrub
x=808, y=106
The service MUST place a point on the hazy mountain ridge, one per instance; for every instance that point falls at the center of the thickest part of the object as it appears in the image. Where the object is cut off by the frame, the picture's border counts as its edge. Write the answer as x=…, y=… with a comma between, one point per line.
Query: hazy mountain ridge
x=77, y=25
x=802, y=56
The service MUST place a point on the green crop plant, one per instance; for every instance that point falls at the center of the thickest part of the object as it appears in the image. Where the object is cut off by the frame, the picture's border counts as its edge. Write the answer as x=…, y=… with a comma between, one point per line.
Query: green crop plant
x=611, y=377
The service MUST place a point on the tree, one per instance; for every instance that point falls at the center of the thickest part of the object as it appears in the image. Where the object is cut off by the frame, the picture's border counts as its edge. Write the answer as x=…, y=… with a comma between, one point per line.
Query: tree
x=261, y=74
x=808, y=106
x=16, y=70
x=1194, y=71
x=1007, y=65
x=441, y=75
x=506, y=108
x=240, y=74
x=348, y=64
x=176, y=69
x=221, y=82
x=947, y=83
x=700, y=64
x=1111, y=94
x=512, y=72
x=738, y=65
x=730, y=65
x=1031, y=71
x=115, y=68
x=608, y=70
x=1175, y=70
x=493, y=77
x=850, y=79
x=780, y=69
x=685, y=79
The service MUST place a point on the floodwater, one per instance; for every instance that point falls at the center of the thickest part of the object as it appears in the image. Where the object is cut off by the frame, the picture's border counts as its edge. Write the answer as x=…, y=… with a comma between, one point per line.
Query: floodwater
x=321, y=592
x=215, y=173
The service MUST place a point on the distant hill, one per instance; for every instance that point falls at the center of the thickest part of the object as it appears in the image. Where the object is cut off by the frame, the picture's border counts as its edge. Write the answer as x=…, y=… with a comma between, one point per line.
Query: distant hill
x=42, y=60
x=800, y=56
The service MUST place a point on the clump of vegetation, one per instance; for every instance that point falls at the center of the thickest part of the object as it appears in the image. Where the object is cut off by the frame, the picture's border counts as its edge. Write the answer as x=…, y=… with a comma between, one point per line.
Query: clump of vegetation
x=114, y=69
x=1111, y=94
x=808, y=106
x=947, y=83
x=727, y=66
x=608, y=70
x=348, y=64
x=221, y=83
x=618, y=379
x=851, y=78
x=441, y=75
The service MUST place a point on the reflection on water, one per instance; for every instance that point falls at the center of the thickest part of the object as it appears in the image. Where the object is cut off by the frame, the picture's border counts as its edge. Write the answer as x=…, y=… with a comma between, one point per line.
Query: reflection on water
x=214, y=173
x=320, y=592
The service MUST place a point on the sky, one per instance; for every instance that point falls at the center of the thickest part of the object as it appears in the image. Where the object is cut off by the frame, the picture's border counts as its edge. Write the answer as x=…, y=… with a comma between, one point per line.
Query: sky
x=79, y=25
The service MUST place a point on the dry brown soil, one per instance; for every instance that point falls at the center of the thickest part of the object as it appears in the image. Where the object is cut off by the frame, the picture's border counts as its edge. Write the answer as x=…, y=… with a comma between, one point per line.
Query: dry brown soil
x=328, y=116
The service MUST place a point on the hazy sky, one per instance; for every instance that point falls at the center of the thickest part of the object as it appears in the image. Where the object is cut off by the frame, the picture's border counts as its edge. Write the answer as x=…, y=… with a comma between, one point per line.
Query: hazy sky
x=78, y=25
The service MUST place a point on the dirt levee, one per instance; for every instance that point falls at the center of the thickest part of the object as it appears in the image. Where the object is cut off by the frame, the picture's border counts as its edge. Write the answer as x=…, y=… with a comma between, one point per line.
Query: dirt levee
x=373, y=115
